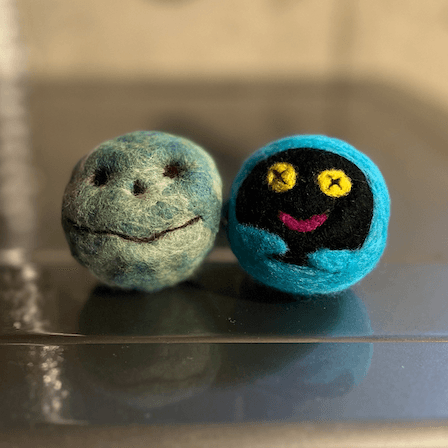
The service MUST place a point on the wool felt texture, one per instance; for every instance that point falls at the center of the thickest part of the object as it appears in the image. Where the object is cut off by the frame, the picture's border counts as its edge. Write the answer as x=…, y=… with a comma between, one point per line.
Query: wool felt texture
x=321, y=233
x=141, y=211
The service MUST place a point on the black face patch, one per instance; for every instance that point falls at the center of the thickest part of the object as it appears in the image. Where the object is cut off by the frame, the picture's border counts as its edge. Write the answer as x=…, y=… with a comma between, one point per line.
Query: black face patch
x=311, y=198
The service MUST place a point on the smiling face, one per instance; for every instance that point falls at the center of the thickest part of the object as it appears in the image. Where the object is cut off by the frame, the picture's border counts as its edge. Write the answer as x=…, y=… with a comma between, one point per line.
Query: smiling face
x=142, y=210
x=311, y=198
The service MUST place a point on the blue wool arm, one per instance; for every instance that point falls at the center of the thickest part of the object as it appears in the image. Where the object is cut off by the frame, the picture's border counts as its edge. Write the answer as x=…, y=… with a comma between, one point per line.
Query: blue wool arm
x=263, y=242
x=330, y=260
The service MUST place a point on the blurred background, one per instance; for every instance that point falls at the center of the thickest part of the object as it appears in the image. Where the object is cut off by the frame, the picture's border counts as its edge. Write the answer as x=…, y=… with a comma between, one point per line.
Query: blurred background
x=235, y=75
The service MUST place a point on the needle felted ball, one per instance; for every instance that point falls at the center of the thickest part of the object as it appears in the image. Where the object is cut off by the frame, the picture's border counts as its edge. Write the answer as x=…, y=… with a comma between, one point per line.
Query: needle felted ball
x=141, y=211
x=308, y=215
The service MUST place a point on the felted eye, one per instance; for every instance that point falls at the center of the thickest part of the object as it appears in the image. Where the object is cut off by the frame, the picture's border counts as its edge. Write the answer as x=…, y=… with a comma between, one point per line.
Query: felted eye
x=173, y=170
x=334, y=183
x=281, y=177
x=138, y=189
x=101, y=176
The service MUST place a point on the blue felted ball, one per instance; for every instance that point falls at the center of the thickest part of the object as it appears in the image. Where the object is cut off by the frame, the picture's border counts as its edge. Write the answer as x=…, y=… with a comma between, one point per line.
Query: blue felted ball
x=141, y=211
x=308, y=215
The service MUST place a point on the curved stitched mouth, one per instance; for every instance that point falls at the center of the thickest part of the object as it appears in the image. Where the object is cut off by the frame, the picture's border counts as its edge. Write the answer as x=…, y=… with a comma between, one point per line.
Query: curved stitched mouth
x=147, y=239
x=304, y=225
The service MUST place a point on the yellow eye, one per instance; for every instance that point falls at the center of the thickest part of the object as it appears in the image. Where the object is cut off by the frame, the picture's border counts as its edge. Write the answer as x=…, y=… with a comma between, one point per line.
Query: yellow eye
x=281, y=177
x=334, y=183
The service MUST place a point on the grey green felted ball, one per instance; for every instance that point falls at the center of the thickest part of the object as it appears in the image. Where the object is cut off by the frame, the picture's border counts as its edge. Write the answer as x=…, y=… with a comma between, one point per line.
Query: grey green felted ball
x=141, y=211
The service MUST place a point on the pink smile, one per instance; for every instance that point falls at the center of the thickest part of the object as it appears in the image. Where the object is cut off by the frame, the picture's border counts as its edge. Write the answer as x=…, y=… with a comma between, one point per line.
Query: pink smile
x=305, y=225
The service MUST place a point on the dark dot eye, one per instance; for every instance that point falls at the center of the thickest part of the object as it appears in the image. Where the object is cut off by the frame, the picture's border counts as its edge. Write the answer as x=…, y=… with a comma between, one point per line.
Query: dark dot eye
x=173, y=170
x=139, y=189
x=101, y=177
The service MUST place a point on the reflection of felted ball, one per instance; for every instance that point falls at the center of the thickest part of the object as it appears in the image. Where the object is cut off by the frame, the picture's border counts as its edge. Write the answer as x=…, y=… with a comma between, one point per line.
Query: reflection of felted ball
x=142, y=210
x=308, y=215
x=265, y=311
x=146, y=375
x=285, y=381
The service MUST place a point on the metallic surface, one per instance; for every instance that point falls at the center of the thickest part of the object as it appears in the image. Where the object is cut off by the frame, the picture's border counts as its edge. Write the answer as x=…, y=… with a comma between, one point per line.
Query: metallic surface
x=219, y=361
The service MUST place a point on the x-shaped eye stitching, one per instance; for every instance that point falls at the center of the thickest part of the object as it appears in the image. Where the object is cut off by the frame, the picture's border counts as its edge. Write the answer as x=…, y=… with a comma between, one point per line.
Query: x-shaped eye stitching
x=278, y=175
x=334, y=181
